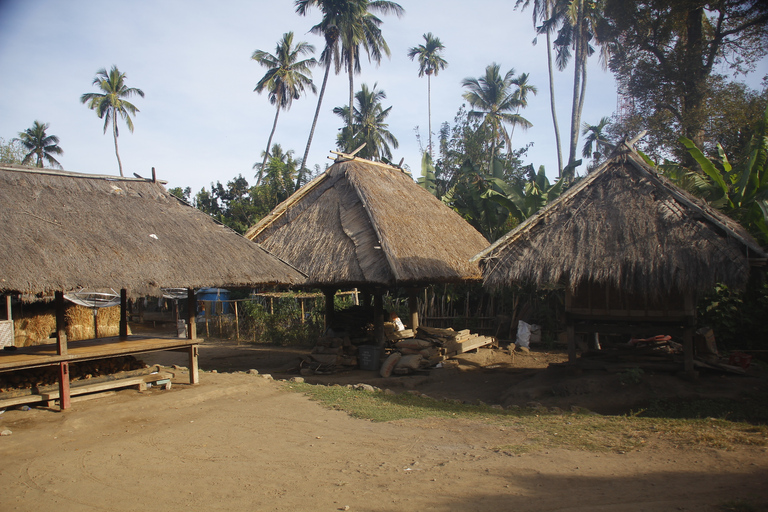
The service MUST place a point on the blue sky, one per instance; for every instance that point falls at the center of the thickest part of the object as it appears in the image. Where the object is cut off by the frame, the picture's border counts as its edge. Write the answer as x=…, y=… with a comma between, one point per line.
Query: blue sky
x=200, y=121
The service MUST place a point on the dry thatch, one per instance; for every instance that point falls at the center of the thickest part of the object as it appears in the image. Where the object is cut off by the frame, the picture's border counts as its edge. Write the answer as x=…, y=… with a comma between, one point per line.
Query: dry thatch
x=625, y=227
x=363, y=223
x=63, y=231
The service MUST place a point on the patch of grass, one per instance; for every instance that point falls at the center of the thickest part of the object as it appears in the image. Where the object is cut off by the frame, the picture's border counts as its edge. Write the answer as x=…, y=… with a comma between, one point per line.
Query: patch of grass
x=749, y=408
x=537, y=428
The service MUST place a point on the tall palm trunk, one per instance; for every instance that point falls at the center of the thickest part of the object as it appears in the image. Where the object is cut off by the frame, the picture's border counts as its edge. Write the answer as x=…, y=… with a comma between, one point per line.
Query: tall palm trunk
x=269, y=143
x=351, y=96
x=578, y=69
x=552, y=97
x=300, y=177
x=429, y=111
x=114, y=135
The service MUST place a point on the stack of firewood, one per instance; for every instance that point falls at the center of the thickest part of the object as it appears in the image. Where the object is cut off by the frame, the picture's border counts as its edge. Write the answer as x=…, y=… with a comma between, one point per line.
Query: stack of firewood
x=36, y=377
x=426, y=348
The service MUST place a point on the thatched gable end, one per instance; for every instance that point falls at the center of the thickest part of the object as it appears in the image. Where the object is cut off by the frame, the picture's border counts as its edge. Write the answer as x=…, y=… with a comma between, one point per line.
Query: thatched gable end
x=626, y=227
x=63, y=231
x=362, y=223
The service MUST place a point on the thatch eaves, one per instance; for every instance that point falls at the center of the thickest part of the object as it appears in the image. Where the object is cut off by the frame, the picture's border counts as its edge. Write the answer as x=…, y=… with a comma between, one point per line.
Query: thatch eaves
x=364, y=223
x=64, y=231
x=626, y=227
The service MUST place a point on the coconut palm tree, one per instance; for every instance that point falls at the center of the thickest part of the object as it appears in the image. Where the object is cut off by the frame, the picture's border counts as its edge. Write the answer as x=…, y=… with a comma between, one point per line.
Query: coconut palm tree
x=340, y=19
x=286, y=79
x=492, y=99
x=578, y=22
x=430, y=62
x=542, y=10
x=522, y=92
x=368, y=127
x=111, y=102
x=594, y=137
x=39, y=145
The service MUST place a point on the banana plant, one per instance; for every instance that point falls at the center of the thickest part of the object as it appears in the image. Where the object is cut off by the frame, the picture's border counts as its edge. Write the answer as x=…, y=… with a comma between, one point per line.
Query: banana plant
x=740, y=192
x=427, y=179
x=523, y=200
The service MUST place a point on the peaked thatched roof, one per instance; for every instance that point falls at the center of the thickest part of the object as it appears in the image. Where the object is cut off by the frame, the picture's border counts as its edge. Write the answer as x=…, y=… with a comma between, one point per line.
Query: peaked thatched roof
x=624, y=226
x=61, y=231
x=365, y=223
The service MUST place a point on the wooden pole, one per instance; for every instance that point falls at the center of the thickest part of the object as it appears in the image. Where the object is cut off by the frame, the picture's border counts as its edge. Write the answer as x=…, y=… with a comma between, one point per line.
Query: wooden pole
x=123, y=314
x=413, y=308
x=301, y=302
x=378, y=318
x=8, y=311
x=329, y=293
x=237, y=324
x=194, y=375
x=61, y=348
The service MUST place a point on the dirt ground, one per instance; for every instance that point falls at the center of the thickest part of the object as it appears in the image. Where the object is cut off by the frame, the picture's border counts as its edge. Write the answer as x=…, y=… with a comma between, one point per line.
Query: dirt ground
x=238, y=441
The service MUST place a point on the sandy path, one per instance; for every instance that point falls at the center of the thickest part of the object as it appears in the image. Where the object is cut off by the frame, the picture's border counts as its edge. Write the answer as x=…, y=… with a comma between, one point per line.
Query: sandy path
x=239, y=442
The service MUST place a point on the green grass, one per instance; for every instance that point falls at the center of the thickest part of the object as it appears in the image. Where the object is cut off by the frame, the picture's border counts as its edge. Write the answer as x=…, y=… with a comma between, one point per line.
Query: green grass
x=538, y=429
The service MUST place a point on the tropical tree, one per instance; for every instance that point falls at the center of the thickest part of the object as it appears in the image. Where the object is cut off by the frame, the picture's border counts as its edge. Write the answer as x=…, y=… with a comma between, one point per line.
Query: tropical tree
x=595, y=137
x=524, y=199
x=39, y=145
x=542, y=10
x=340, y=19
x=493, y=100
x=740, y=191
x=430, y=62
x=11, y=152
x=286, y=79
x=112, y=102
x=427, y=179
x=279, y=176
x=368, y=126
x=578, y=22
x=523, y=90
x=665, y=57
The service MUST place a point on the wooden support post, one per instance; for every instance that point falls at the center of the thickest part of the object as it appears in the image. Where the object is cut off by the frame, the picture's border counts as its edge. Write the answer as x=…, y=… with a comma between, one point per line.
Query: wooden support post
x=123, y=314
x=301, y=303
x=688, y=353
x=571, y=332
x=378, y=318
x=8, y=311
x=413, y=308
x=64, y=398
x=61, y=334
x=191, y=314
x=194, y=372
x=329, y=293
x=237, y=323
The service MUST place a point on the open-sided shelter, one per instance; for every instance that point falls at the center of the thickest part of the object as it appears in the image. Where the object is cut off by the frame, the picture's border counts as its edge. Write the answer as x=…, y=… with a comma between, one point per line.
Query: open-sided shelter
x=631, y=248
x=64, y=231
x=369, y=225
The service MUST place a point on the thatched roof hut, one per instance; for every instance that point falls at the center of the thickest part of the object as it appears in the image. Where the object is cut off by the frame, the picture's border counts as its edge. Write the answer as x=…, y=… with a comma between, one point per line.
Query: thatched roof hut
x=627, y=228
x=63, y=231
x=364, y=223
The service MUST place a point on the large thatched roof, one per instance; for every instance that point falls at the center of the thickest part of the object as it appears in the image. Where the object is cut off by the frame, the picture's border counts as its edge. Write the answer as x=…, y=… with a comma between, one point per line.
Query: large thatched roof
x=364, y=223
x=61, y=231
x=627, y=227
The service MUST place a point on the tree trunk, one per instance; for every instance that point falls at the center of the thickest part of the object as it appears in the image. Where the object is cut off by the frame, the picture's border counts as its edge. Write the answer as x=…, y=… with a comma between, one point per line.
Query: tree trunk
x=300, y=177
x=266, y=153
x=351, y=97
x=579, y=54
x=552, y=98
x=429, y=112
x=114, y=134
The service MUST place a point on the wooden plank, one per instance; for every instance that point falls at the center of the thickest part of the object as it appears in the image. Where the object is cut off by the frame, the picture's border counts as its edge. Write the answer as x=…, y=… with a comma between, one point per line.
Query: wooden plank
x=472, y=344
x=140, y=382
x=26, y=399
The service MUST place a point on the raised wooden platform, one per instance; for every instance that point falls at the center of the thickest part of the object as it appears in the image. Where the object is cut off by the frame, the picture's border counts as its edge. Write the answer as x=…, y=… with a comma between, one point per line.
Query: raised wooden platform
x=86, y=350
